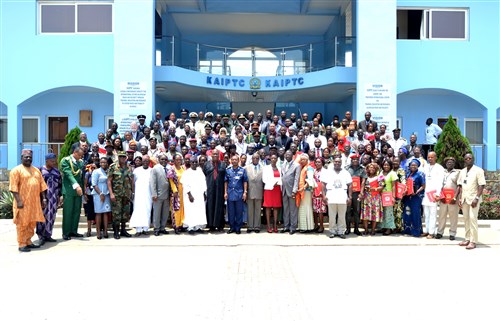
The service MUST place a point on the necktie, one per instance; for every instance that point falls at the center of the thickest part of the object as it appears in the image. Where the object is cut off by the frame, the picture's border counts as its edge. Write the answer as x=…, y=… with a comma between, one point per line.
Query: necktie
x=317, y=152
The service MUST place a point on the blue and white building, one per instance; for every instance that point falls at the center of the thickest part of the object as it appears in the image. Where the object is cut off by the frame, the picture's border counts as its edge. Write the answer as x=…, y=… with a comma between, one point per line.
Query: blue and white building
x=88, y=63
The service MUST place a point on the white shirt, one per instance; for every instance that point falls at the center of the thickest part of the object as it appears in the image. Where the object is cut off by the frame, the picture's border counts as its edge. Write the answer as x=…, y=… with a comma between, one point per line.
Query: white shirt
x=311, y=139
x=336, y=185
x=431, y=134
x=434, y=178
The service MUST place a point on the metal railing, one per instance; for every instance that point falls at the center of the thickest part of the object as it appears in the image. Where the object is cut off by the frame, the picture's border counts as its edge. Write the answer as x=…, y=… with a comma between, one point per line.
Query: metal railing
x=42, y=149
x=254, y=61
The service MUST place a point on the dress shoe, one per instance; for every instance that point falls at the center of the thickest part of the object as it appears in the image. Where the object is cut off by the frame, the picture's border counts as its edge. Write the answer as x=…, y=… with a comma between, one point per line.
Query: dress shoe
x=99, y=237
x=357, y=232
x=471, y=246
x=249, y=230
x=88, y=234
x=76, y=234
x=438, y=236
x=163, y=232
x=230, y=231
x=24, y=249
x=191, y=232
x=332, y=235
x=284, y=230
x=238, y=232
x=342, y=236
x=125, y=233
x=257, y=230
x=347, y=232
x=157, y=233
x=106, y=235
x=41, y=242
x=452, y=238
x=33, y=246
x=464, y=243
x=137, y=234
x=177, y=231
x=321, y=230
x=116, y=235
x=66, y=237
x=200, y=231
x=292, y=232
x=145, y=233
x=49, y=239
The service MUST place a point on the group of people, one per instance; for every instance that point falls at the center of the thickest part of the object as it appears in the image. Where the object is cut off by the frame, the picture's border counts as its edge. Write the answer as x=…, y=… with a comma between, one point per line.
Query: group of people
x=200, y=172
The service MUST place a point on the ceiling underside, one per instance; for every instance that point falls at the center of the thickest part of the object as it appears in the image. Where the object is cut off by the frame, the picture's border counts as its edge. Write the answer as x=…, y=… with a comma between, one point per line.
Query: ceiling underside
x=171, y=91
x=253, y=17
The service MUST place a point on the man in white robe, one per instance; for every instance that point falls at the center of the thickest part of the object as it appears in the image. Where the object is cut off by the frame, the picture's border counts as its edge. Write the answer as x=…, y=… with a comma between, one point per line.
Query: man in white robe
x=143, y=199
x=194, y=189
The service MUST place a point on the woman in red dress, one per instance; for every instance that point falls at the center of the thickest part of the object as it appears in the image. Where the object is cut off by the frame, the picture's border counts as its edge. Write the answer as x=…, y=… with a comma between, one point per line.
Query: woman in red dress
x=271, y=176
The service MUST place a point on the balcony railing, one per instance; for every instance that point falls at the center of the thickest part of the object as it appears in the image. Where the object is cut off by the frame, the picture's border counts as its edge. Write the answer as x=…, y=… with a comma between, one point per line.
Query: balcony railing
x=255, y=61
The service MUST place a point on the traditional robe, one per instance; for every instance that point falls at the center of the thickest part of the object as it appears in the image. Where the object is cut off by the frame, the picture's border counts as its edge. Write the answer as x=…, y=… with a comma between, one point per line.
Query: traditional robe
x=195, y=213
x=215, y=194
x=143, y=199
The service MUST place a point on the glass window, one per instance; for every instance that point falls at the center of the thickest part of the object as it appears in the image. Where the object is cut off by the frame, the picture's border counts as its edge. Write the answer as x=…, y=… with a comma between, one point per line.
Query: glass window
x=58, y=19
x=474, y=131
x=95, y=18
x=498, y=132
x=3, y=130
x=448, y=24
x=30, y=130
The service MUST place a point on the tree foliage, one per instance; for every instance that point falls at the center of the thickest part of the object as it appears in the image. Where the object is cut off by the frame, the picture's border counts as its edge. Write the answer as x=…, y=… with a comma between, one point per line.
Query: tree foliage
x=72, y=137
x=452, y=143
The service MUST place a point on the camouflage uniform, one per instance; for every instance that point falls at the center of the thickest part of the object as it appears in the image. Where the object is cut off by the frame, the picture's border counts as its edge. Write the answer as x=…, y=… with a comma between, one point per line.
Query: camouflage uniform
x=121, y=182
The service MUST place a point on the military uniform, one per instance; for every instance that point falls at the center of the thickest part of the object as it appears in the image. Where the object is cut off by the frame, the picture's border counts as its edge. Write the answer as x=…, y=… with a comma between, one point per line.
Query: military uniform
x=121, y=183
x=72, y=172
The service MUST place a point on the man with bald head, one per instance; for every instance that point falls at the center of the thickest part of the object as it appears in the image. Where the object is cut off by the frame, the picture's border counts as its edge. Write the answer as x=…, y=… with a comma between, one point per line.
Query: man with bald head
x=434, y=177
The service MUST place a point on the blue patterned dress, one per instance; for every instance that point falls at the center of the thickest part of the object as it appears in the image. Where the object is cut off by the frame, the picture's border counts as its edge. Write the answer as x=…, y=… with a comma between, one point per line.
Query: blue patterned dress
x=53, y=179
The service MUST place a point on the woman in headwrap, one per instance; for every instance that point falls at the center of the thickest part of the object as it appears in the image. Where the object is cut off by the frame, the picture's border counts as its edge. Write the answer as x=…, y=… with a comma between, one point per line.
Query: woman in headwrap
x=412, y=203
x=304, y=195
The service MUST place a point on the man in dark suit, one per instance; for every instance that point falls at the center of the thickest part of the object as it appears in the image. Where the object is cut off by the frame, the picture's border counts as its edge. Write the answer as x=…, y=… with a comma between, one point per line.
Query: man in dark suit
x=290, y=173
x=413, y=143
x=364, y=123
x=283, y=140
x=271, y=142
x=302, y=145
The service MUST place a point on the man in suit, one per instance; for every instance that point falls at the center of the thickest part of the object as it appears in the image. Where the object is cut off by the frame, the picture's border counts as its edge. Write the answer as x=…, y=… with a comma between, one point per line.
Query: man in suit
x=364, y=123
x=160, y=188
x=283, y=140
x=72, y=183
x=255, y=194
x=135, y=132
x=413, y=144
x=290, y=173
x=302, y=145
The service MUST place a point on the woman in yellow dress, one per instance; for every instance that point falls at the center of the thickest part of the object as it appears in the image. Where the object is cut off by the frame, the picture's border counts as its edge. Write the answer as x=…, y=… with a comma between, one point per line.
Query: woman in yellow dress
x=178, y=217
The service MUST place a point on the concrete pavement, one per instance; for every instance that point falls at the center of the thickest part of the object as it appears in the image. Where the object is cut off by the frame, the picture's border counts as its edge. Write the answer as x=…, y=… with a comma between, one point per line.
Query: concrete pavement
x=251, y=277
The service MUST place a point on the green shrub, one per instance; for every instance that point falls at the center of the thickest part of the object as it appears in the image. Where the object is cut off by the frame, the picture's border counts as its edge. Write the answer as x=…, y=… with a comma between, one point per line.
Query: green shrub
x=452, y=143
x=72, y=137
x=6, y=205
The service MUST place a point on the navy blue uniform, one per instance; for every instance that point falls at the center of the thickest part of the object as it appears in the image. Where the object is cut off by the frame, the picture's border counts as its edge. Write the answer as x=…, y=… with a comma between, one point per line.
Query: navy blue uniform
x=235, y=179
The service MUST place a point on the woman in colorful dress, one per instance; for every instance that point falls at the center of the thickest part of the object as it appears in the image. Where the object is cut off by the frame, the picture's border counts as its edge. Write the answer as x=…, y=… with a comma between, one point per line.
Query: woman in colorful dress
x=179, y=213
x=304, y=196
x=88, y=204
x=371, y=210
x=398, y=204
x=412, y=203
x=319, y=206
x=390, y=177
x=271, y=176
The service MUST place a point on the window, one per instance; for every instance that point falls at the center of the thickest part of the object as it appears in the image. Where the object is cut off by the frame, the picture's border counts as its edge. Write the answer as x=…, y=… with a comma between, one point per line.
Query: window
x=108, y=120
x=442, y=121
x=474, y=131
x=3, y=130
x=438, y=23
x=498, y=132
x=80, y=17
x=30, y=130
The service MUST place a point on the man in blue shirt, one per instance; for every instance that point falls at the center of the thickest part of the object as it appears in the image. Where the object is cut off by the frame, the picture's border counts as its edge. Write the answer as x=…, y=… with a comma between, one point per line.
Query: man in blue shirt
x=235, y=193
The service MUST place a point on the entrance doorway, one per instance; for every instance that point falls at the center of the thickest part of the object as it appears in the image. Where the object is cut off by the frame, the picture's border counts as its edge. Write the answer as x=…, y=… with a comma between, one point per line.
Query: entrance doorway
x=58, y=128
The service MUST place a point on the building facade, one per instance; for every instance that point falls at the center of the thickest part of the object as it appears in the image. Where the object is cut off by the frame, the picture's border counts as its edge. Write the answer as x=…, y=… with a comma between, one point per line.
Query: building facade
x=89, y=63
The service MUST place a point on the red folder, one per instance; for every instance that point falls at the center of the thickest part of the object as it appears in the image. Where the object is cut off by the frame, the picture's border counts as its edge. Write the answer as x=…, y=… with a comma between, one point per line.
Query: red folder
x=387, y=199
x=374, y=184
x=318, y=190
x=447, y=194
x=356, y=184
x=409, y=185
x=400, y=190
x=430, y=196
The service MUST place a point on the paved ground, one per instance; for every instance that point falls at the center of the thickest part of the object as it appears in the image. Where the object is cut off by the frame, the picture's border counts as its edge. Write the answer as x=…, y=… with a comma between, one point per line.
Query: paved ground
x=244, y=277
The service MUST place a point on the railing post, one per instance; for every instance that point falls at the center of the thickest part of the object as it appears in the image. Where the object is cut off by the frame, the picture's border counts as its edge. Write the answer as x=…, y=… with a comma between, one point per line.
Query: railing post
x=253, y=62
x=310, y=56
x=282, y=62
x=224, y=62
x=197, y=57
x=335, y=44
x=173, y=50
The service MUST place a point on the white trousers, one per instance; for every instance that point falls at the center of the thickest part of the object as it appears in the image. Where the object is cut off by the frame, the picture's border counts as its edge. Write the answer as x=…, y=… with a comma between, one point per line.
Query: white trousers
x=470, y=220
x=430, y=213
